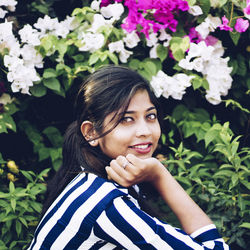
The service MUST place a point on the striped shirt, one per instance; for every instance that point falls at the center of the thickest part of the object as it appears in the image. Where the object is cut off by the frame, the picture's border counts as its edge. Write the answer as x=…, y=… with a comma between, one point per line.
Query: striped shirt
x=94, y=213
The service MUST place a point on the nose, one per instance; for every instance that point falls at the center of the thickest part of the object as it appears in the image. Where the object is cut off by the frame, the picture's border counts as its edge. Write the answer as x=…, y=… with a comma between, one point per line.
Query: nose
x=143, y=129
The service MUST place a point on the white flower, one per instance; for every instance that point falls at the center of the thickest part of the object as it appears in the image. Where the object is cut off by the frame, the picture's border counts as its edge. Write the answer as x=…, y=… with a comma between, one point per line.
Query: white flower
x=95, y=5
x=186, y=64
x=113, y=10
x=29, y=35
x=131, y=39
x=152, y=40
x=31, y=56
x=195, y=10
x=198, y=64
x=5, y=31
x=118, y=47
x=22, y=78
x=2, y=13
x=153, y=51
x=208, y=60
x=164, y=35
x=46, y=24
x=70, y=23
x=209, y=25
x=61, y=30
x=92, y=42
x=99, y=21
x=10, y=4
x=158, y=83
x=175, y=86
x=124, y=55
x=213, y=97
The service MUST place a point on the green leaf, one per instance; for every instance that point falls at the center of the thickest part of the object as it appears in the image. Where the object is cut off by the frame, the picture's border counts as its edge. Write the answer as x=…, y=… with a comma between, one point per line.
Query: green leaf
x=245, y=225
x=178, y=55
x=162, y=52
x=38, y=90
x=43, y=153
x=49, y=72
x=11, y=187
x=18, y=227
x=134, y=64
x=93, y=58
x=246, y=184
x=221, y=173
x=27, y=175
x=235, y=36
x=13, y=204
x=54, y=136
x=150, y=68
x=23, y=221
x=210, y=135
x=113, y=58
x=52, y=83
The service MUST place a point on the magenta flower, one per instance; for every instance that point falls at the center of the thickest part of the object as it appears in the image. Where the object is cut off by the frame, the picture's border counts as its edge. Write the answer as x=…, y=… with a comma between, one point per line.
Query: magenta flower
x=105, y=3
x=241, y=25
x=224, y=25
x=146, y=15
x=247, y=9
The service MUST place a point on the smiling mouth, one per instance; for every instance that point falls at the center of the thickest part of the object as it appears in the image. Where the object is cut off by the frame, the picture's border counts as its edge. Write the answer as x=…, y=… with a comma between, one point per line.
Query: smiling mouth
x=142, y=146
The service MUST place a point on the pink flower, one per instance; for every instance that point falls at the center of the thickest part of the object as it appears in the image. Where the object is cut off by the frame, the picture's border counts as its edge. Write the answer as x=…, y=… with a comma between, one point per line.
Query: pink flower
x=247, y=9
x=241, y=25
x=224, y=25
x=147, y=15
x=105, y=3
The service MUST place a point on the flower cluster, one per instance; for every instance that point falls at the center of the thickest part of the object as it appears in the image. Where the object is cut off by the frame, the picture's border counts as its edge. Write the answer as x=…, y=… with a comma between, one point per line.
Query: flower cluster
x=151, y=24
x=209, y=62
x=22, y=58
x=6, y=6
x=170, y=86
x=155, y=15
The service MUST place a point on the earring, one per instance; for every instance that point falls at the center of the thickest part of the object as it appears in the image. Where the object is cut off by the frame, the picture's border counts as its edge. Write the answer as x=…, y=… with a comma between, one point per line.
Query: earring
x=92, y=142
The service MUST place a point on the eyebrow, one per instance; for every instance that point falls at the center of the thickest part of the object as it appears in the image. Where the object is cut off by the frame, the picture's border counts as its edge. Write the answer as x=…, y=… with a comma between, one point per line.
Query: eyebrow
x=132, y=112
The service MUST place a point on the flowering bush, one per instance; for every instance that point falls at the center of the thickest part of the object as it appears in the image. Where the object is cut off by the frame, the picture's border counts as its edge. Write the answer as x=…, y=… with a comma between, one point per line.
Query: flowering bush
x=194, y=53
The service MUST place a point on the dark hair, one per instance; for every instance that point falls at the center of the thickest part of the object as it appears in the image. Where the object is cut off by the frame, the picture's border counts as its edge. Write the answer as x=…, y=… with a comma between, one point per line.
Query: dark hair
x=107, y=90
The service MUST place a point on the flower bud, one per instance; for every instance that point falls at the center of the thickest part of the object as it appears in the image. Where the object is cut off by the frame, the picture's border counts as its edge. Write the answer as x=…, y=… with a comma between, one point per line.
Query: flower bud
x=11, y=177
x=13, y=167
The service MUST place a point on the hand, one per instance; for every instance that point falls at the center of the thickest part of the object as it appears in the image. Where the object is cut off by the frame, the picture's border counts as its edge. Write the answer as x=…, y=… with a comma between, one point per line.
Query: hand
x=131, y=170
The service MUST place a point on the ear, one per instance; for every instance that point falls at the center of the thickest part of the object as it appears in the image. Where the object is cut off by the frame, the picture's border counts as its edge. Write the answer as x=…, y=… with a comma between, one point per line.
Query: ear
x=89, y=133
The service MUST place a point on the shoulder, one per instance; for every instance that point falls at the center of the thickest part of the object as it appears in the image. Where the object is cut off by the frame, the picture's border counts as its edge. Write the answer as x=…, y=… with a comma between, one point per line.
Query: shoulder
x=86, y=185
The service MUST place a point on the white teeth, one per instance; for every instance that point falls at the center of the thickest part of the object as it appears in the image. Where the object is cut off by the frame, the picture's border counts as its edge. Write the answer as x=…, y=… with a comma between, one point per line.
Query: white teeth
x=141, y=146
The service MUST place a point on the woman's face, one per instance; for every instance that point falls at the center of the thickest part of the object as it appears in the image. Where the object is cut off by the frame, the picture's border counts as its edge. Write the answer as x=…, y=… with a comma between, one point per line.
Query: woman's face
x=138, y=132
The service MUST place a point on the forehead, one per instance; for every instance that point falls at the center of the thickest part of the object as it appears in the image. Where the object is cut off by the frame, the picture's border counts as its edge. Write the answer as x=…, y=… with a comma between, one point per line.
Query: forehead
x=140, y=101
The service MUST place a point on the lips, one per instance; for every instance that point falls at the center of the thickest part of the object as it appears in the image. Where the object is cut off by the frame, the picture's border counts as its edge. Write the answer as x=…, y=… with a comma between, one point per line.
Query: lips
x=142, y=148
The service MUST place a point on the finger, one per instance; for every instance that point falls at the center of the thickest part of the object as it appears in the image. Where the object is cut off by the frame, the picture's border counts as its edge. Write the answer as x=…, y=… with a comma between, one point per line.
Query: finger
x=134, y=160
x=113, y=175
x=123, y=162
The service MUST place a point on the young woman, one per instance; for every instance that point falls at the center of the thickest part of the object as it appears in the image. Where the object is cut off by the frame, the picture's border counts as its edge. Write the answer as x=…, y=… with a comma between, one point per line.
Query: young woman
x=106, y=151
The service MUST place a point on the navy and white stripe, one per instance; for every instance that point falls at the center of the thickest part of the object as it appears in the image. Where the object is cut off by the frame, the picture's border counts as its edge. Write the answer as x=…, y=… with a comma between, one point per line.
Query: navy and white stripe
x=93, y=213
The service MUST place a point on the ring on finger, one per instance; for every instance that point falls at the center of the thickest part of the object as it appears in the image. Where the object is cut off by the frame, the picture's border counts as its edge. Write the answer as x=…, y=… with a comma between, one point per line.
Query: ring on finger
x=124, y=165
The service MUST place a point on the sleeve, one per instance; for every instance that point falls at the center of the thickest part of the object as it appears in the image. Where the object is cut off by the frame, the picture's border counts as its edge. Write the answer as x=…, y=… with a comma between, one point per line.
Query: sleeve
x=125, y=225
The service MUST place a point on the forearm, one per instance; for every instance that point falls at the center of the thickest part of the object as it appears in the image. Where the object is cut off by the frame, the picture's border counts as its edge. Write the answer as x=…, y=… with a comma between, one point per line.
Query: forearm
x=187, y=211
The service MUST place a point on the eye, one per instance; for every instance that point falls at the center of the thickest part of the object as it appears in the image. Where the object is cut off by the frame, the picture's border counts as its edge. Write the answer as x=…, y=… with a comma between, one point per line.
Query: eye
x=152, y=116
x=127, y=119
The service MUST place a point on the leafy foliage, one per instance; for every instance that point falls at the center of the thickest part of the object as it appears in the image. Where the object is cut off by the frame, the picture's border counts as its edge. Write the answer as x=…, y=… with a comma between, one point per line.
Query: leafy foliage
x=205, y=147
